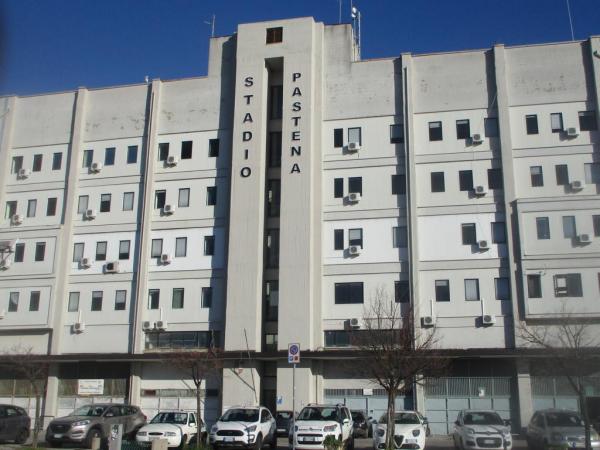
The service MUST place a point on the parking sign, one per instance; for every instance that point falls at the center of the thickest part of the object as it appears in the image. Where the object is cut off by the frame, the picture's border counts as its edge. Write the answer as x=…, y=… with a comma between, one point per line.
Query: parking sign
x=293, y=353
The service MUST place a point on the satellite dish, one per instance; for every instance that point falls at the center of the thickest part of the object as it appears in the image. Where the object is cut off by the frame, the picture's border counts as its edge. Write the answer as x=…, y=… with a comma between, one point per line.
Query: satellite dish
x=354, y=12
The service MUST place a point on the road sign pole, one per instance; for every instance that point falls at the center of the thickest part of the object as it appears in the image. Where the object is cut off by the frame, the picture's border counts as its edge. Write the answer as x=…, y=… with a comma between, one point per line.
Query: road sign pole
x=294, y=407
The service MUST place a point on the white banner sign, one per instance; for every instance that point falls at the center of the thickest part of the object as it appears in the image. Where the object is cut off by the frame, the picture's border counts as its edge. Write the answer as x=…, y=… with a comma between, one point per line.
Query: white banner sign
x=90, y=387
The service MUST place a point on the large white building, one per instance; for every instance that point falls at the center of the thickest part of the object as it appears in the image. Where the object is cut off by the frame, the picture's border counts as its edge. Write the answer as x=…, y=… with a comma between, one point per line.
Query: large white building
x=269, y=201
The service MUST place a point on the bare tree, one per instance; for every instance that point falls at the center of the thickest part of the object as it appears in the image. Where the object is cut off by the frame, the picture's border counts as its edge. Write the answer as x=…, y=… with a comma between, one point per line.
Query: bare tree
x=396, y=354
x=23, y=362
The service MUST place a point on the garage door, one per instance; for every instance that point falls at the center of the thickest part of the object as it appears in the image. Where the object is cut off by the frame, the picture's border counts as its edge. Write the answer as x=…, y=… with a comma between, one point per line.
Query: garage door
x=556, y=392
x=373, y=401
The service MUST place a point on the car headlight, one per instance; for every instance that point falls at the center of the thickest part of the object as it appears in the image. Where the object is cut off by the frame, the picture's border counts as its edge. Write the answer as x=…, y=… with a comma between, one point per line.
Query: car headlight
x=251, y=429
x=170, y=433
x=470, y=430
x=141, y=433
x=416, y=432
x=557, y=437
x=214, y=429
x=81, y=423
x=380, y=432
x=329, y=428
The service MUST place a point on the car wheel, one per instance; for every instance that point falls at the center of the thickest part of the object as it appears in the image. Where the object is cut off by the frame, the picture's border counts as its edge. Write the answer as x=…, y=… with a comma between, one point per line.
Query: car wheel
x=183, y=441
x=55, y=444
x=93, y=433
x=259, y=442
x=351, y=443
x=22, y=436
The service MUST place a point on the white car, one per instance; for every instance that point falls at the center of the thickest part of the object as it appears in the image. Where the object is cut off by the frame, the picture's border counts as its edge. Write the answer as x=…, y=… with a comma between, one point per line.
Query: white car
x=316, y=422
x=410, y=430
x=477, y=429
x=177, y=427
x=244, y=426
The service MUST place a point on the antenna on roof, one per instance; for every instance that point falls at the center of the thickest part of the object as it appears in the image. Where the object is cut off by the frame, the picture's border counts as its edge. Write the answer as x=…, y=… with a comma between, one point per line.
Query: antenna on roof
x=570, y=20
x=340, y=12
x=212, y=25
x=146, y=79
x=356, y=17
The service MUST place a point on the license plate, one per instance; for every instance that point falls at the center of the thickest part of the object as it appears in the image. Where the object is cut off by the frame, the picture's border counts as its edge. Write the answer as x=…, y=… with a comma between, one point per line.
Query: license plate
x=489, y=441
x=410, y=441
x=58, y=436
x=228, y=439
x=309, y=439
x=152, y=438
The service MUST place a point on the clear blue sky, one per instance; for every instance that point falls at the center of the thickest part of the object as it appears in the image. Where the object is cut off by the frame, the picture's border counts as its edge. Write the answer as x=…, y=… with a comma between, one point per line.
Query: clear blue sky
x=52, y=45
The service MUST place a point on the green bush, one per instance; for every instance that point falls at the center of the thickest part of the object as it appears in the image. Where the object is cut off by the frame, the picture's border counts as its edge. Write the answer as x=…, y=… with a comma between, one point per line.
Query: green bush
x=332, y=443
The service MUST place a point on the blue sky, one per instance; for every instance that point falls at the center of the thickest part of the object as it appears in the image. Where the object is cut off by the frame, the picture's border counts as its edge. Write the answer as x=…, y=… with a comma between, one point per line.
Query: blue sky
x=52, y=45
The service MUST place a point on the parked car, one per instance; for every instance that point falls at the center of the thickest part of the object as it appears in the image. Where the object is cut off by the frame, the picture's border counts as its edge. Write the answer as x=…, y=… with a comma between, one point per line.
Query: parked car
x=177, y=427
x=475, y=429
x=558, y=428
x=244, y=426
x=316, y=422
x=283, y=419
x=410, y=430
x=361, y=425
x=90, y=421
x=14, y=424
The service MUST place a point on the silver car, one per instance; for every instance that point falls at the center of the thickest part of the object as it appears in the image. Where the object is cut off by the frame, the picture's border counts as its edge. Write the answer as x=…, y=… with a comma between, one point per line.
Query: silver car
x=480, y=429
x=558, y=428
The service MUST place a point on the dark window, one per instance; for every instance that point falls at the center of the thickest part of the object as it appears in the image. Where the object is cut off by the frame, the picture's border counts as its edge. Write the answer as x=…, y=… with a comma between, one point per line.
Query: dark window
x=11, y=209
x=537, y=176
x=337, y=338
x=338, y=239
x=19, y=252
x=400, y=237
x=40, y=251
x=51, y=207
x=206, y=300
x=587, y=121
x=275, y=149
x=160, y=198
x=355, y=135
x=442, y=290
x=34, y=301
x=346, y=293
x=562, y=174
x=272, y=241
x=495, y=179
x=471, y=289
x=120, y=300
x=274, y=35
x=465, y=180
x=568, y=285
x=109, y=156
x=272, y=299
x=177, y=301
x=498, y=232
x=132, y=152
x=13, y=302
x=338, y=137
x=469, y=235
x=213, y=148
x=502, y=287
x=105, y=203
x=56, y=161
x=88, y=158
x=163, y=151
x=595, y=219
x=463, y=129
x=186, y=150
x=153, y=298
x=398, y=184
x=37, y=163
x=543, y=227
x=556, y=122
x=209, y=245
x=124, y=249
x=101, y=251
x=402, y=291
x=397, y=133
x=338, y=188
x=157, y=247
x=211, y=195
x=531, y=124
x=355, y=237
x=435, y=131
x=276, y=104
x=437, y=182
x=355, y=185
x=97, y=300
x=17, y=164
x=490, y=125
x=273, y=197
x=534, y=286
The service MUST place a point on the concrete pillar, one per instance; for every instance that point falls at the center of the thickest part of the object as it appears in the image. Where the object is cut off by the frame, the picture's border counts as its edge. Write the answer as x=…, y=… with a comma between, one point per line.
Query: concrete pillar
x=419, y=399
x=135, y=383
x=51, y=400
x=524, y=393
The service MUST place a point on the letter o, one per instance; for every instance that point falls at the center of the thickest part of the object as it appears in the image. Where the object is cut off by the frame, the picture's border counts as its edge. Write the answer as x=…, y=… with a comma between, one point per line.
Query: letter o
x=245, y=172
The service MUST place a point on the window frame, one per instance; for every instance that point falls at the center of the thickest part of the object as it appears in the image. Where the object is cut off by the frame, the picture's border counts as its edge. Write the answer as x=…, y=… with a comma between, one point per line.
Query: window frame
x=132, y=154
x=442, y=291
x=128, y=195
x=186, y=150
x=274, y=35
x=542, y=233
x=40, y=251
x=152, y=298
x=57, y=160
x=358, y=241
x=534, y=286
x=73, y=301
x=402, y=291
x=355, y=130
x=395, y=137
x=557, y=127
x=468, y=233
x=124, y=253
x=206, y=296
x=105, y=202
x=178, y=298
x=465, y=180
x=587, y=120
x=436, y=131
x=110, y=155
x=537, y=179
x=96, y=302
x=562, y=174
x=531, y=124
x=209, y=245
x=153, y=254
x=398, y=184
x=211, y=195
x=350, y=297
x=338, y=239
x=213, y=148
x=51, y=206
x=470, y=284
x=463, y=129
x=101, y=256
x=183, y=198
x=120, y=304
x=34, y=301
x=179, y=254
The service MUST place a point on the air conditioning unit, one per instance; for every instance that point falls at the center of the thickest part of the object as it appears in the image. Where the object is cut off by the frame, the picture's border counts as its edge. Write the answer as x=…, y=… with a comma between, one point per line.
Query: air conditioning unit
x=24, y=173
x=572, y=132
x=161, y=325
x=172, y=160
x=354, y=250
x=16, y=219
x=85, y=263
x=169, y=209
x=165, y=258
x=584, y=238
x=353, y=146
x=4, y=263
x=480, y=190
x=428, y=321
x=576, y=185
x=354, y=197
x=354, y=323
x=96, y=167
x=78, y=327
x=483, y=245
x=147, y=325
x=488, y=319
x=89, y=214
x=477, y=138
x=111, y=267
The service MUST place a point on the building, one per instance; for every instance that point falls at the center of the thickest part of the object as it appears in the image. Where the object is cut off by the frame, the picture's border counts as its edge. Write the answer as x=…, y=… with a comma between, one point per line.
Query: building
x=268, y=202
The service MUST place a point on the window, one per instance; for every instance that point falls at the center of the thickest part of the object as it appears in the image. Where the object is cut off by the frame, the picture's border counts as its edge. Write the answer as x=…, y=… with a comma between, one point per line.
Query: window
x=275, y=149
x=400, y=237
x=276, y=104
x=82, y=204
x=498, y=232
x=177, y=301
x=399, y=184
x=101, y=251
x=463, y=129
x=338, y=188
x=402, y=291
x=542, y=226
x=109, y=156
x=355, y=135
x=355, y=185
x=153, y=298
x=31, y=207
x=88, y=159
x=73, y=302
x=11, y=209
x=37, y=163
x=502, y=287
x=569, y=228
x=17, y=164
x=338, y=239
x=437, y=182
x=51, y=207
x=211, y=195
x=592, y=173
x=568, y=285
x=348, y=293
x=531, y=124
x=213, y=148
x=587, y=121
x=338, y=137
x=274, y=35
x=128, y=198
x=180, y=247
x=209, y=245
x=469, y=235
x=124, y=249
x=397, y=133
x=495, y=179
x=120, y=300
x=556, y=122
x=272, y=238
x=19, y=252
x=337, y=338
x=471, y=289
x=184, y=198
x=562, y=174
x=163, y=151
x=435, y=131
x=465, y=180
x=157, y=245
x=105, y=202
x=97, y=300
x=355, y=237
x=273, y=197
x=160, y=198
x=186, y=150
x=490, y=125
x=132, y=152
x=537, y=176
x=206, y=299
x=534, y=286
x=13, y=302
x=442, y=290
x=40, y=251
x=34, y=301
x=596, y=222
x=272, y=299
x=78, y=249
x=56, y=161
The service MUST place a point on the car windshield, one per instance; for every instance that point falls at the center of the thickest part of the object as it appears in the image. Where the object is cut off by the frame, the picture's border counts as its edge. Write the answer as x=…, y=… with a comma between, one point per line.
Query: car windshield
x=170, y=417
x=482, y=418
x=319, y=413
x=564, y=419
x=89, y=410
x=402, y=418
x=284, y=415
x=240, y=415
